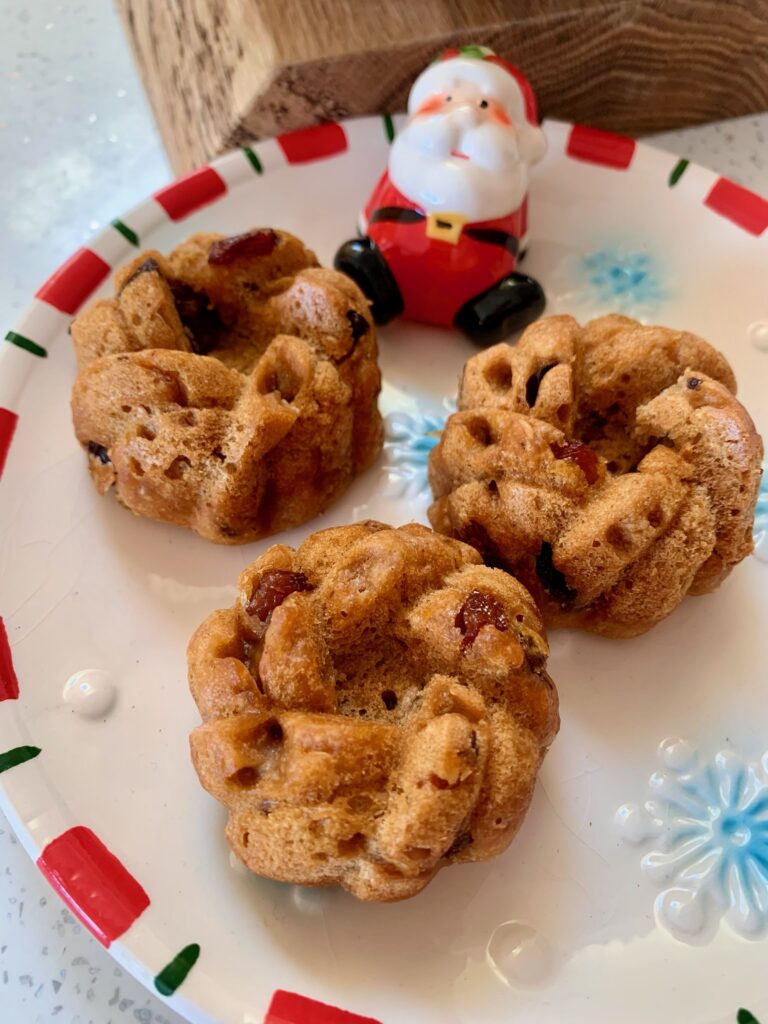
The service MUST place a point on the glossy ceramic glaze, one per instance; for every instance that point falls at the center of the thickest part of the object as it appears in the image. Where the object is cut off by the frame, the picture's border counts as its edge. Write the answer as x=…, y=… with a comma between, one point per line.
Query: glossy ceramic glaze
x=447, y=221
x=568, y=924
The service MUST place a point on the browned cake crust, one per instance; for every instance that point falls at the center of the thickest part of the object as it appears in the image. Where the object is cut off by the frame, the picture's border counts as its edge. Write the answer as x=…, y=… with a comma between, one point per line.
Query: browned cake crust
x=609, y=467
x=230, y=387
x=375, y=707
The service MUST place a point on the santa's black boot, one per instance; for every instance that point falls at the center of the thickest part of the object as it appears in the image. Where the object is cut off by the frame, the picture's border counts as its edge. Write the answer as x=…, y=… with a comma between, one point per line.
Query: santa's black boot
x=506, y=307
x=361, y=260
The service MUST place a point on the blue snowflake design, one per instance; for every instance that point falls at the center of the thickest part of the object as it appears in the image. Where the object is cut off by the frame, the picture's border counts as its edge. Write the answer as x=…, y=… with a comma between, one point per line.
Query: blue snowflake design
x=627, y=281
x=760, y=532
x=709, y=824
x=409, y=440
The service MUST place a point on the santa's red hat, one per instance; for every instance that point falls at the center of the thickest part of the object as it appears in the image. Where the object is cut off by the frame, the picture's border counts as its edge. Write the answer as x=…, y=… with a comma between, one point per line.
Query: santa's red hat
x=496, y=79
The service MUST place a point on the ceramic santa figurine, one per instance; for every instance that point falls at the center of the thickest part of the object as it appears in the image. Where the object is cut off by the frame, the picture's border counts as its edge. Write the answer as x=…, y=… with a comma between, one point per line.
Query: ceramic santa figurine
x=446, y=225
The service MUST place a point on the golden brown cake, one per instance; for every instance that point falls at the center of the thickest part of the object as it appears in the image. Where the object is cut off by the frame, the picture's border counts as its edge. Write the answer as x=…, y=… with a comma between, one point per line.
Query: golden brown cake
x=609, y=467
x=375, y=707
x=230, y=387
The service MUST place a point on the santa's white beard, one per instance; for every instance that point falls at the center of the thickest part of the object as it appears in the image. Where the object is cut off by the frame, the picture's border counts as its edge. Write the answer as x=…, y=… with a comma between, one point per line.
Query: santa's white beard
x=490, y=184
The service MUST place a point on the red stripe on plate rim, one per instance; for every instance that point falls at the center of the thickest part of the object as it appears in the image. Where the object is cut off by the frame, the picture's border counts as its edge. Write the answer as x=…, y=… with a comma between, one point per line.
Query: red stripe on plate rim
x=596, y=146
x=94, y=884
x=740, y=205
x=9, y=683
x=291, y=1008
x=183, y=196
x=75, y=281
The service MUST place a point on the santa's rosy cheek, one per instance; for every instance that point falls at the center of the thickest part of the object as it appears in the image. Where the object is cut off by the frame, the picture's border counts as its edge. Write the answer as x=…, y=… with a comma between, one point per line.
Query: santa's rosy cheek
x=498, y=114
x=430, y=105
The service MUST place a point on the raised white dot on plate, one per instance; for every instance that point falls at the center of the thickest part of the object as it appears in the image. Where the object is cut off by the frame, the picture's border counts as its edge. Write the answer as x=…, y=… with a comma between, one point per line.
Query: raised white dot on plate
x=520, y=955
x=237, y=865
x=682, y=911
x=309, y=900
x=90, y=693
x=635, y=824
x=676, y=753
x=761, y=546
x=758, y=334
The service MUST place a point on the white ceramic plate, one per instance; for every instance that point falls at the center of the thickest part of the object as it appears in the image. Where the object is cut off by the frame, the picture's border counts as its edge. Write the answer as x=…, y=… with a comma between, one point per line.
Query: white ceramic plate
x=568, y=924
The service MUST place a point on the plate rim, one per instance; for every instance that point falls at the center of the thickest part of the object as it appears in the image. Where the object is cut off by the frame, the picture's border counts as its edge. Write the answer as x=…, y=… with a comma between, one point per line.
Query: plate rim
x=96, y=261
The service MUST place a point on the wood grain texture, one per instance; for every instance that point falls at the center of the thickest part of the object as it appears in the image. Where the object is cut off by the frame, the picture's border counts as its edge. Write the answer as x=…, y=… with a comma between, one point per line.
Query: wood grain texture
x=223, y=72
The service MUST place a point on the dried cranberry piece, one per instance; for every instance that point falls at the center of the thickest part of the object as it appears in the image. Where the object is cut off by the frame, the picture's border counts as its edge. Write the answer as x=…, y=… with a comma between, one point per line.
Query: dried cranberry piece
x=461, y=842
x=579, y=453
x=198, y=315
x=479, y=609
x=534, y=382
x=98, y=451
x=358, y=323
x=149, y=266
x=272, y=588
x=553, y=580
x=242, y=247
x=389, y=697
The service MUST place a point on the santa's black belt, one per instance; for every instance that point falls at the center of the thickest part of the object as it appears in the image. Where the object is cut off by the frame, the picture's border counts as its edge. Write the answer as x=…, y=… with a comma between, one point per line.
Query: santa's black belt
x=406, y=215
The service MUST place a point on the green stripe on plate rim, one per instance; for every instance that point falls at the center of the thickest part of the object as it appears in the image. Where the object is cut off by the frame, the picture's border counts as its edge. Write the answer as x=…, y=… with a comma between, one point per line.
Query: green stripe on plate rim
x=677, y=172
x=27, y=344
x=174, y=973
x=253, y=160
x=389, y=127
x=128, y=233
x=17, y=755
x=744, y=1016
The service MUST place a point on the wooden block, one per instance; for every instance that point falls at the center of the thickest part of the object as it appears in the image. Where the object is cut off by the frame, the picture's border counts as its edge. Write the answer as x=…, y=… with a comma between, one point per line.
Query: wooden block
x=220, y=73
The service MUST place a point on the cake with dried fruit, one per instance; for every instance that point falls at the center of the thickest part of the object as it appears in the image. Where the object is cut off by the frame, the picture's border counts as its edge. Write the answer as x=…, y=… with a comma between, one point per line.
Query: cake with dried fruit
x=230, y=387
x=609, y=467
x=375, y=707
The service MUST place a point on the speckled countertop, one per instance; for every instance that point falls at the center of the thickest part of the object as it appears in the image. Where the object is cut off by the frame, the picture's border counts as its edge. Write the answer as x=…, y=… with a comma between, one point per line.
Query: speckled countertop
x=77, y=147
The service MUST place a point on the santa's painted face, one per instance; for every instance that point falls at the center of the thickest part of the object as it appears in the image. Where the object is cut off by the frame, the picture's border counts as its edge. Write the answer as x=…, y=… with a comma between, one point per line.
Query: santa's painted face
x=460, y=153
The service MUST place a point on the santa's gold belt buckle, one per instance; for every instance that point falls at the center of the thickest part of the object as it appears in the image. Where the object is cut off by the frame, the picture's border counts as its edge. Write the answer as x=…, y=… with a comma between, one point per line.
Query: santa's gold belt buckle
x=445, y=227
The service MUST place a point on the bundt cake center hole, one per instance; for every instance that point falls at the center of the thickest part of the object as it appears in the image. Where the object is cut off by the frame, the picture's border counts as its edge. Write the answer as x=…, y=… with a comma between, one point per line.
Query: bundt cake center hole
x=377, y=676
x=199, y=317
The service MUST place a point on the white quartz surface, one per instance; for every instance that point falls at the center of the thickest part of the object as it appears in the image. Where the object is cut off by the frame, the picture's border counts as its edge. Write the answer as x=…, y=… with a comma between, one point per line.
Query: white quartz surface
x=77, y=148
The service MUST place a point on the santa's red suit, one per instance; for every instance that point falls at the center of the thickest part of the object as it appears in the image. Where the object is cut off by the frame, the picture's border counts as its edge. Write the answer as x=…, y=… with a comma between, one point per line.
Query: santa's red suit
x=439, y=260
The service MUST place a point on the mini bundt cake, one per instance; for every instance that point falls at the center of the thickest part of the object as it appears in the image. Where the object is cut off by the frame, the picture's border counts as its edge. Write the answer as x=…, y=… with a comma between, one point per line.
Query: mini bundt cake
x=375, y=707
x=230, y=387
x=609, y=467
